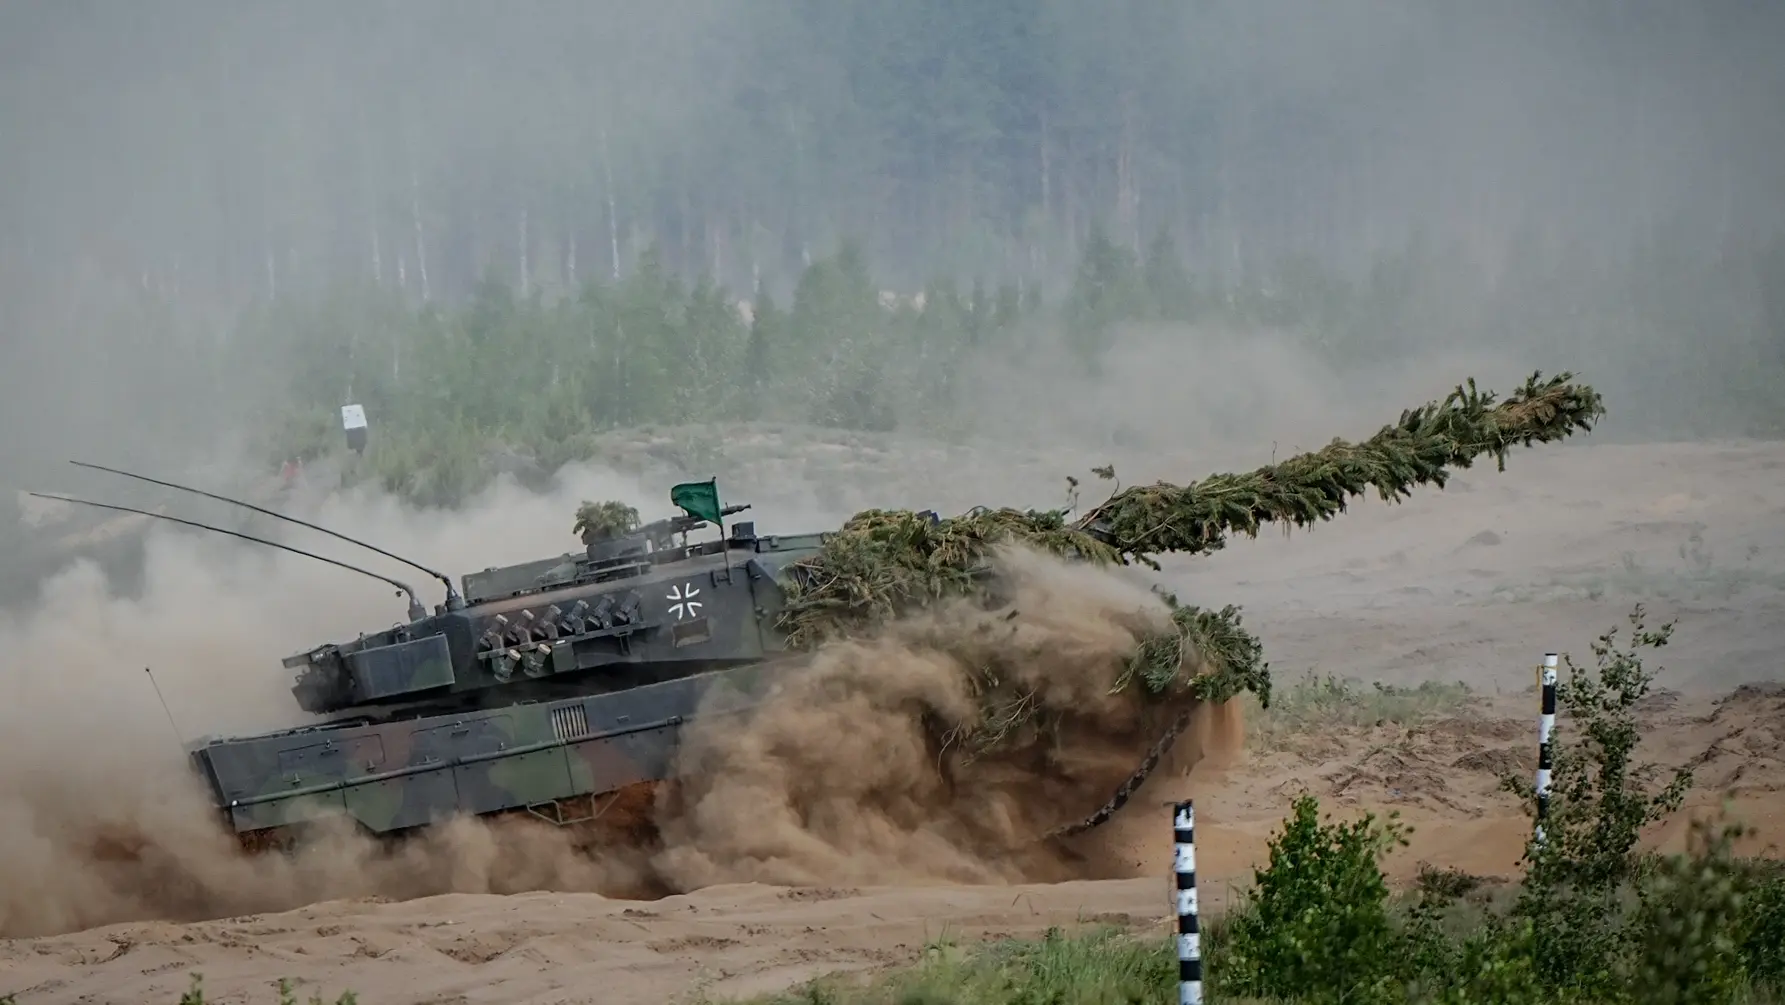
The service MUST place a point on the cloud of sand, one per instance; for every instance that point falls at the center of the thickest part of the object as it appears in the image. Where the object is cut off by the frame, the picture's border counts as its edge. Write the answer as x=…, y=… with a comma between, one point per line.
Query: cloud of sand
x=844, y=776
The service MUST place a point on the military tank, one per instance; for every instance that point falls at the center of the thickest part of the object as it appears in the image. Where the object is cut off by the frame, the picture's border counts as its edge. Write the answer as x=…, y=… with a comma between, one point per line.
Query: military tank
x=551, y=688
x=556, y=689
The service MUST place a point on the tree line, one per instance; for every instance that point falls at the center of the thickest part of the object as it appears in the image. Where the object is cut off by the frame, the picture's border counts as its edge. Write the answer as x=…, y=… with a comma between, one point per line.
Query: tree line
x=547, y=375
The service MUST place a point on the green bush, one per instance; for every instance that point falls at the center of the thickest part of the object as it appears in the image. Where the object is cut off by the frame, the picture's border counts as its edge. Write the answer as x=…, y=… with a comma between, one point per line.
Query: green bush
x=1688, y=928
x=1763, y=922
x=1318, y=925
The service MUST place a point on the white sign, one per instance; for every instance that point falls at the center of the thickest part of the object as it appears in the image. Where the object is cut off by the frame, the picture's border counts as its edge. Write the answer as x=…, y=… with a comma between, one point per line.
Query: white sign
x=682, y=604
x=353, y=416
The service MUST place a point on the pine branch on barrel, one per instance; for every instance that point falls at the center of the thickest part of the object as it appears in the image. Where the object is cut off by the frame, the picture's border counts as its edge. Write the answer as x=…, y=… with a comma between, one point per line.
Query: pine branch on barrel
x=884, y=563
x=1144, y=521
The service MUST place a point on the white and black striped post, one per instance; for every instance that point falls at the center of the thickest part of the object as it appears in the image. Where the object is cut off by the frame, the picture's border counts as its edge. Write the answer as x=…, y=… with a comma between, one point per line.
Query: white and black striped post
x=1183, y=832
x=1546, y=728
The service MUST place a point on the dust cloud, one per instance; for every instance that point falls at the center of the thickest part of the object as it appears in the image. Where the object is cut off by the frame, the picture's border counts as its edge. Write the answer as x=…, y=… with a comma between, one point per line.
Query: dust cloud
x=845, y=775
x=1221, y=395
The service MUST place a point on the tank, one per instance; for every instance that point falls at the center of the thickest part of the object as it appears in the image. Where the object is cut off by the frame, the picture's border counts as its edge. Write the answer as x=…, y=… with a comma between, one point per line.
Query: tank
x=552, y=688
x=548, y=688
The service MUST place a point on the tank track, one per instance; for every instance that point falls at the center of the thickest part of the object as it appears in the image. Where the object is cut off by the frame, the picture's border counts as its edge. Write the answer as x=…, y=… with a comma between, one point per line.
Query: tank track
x=1127, y=789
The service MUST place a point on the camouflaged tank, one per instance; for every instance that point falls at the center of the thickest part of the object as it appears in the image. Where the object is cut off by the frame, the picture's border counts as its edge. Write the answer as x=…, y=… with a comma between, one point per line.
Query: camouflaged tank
x=550, y=688
x=554, y=688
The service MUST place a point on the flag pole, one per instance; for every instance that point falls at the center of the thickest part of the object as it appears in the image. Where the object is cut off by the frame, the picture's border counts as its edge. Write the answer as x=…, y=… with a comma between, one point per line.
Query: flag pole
x=706, y=505
x=724, y=545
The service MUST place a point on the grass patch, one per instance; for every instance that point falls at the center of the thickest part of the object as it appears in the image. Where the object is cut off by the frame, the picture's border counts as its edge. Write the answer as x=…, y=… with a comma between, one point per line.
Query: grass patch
x=1093, y=965
x=1321, y=701
x=195, y=995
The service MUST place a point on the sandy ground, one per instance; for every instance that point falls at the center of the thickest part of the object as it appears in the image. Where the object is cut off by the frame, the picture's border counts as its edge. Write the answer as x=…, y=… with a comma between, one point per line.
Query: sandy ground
x=1471, y=584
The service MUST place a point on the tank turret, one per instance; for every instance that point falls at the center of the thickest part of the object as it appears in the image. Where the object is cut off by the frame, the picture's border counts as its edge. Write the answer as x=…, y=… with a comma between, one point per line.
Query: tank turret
x=644, y=604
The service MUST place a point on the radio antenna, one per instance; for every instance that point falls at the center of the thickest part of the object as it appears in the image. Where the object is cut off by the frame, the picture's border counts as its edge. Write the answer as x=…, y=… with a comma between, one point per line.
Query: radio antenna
x=453, y=600
x=178, y=736
x=416, y=610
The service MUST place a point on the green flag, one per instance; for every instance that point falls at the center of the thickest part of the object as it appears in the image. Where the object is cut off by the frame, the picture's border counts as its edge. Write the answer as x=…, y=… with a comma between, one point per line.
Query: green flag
x=698, y=499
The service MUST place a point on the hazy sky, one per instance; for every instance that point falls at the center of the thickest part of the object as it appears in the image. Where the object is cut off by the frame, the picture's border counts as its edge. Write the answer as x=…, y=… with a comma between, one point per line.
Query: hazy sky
x=195, y=136
x=210, y=154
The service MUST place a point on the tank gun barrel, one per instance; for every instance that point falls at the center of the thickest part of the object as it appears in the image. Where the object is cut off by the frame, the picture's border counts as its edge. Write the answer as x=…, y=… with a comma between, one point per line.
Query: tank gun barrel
x=453, y=600
x=416, y=610
x=1423, y=447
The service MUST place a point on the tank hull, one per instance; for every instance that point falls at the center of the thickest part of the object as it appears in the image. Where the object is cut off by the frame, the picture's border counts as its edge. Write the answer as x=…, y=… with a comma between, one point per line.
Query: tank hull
x=544, y=758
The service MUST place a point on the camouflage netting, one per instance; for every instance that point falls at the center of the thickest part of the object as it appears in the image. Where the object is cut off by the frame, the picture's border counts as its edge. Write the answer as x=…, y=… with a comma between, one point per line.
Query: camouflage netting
x=884, y=563
x=598, y=521
x=1418, y=450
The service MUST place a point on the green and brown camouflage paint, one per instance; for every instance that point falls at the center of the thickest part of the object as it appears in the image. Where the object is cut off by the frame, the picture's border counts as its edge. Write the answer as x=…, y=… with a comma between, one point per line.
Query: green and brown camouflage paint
x=555, y=681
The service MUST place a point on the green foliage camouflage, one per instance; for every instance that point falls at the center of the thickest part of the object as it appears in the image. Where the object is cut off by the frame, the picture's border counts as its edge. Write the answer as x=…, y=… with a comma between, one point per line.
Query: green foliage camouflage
x=1420, y=449
x=882, y=564
x=599, y=521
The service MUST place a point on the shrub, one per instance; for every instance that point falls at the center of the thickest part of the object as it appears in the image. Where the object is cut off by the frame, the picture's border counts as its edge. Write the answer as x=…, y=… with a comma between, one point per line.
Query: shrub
x=1318, y=925
x=1687, y=930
